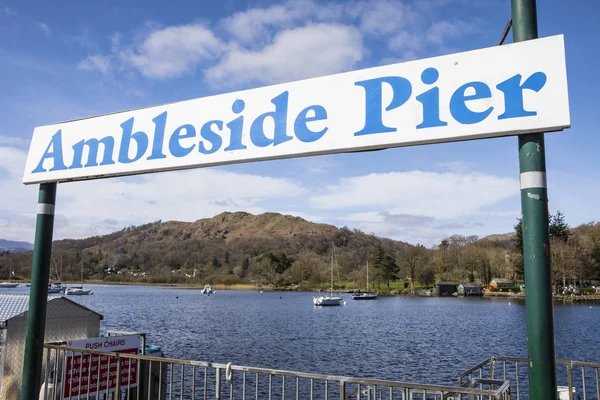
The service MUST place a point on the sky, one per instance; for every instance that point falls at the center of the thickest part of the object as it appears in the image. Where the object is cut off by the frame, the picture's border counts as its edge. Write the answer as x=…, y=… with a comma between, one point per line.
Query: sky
x=73, y=59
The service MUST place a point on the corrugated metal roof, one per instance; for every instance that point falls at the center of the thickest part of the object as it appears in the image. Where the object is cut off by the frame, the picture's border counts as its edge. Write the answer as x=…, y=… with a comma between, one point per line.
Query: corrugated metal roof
x=12, y=305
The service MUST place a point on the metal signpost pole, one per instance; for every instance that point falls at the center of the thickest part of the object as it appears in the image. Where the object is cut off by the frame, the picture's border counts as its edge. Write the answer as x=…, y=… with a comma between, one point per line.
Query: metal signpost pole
x=40, y=275
x=536, y=241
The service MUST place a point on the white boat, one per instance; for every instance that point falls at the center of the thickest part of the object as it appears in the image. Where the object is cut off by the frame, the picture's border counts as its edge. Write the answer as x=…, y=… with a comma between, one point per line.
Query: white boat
x=365, y=295
x=208, y=290
x=329, y=299
x=78, y=290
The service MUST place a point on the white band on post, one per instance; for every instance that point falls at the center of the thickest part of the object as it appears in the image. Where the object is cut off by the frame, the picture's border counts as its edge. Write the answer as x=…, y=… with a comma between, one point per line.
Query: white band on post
x=44, y=208
x=534, y=179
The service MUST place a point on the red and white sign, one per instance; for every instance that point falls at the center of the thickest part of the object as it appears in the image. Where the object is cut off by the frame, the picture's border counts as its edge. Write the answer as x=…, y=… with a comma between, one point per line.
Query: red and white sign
x=90, y=374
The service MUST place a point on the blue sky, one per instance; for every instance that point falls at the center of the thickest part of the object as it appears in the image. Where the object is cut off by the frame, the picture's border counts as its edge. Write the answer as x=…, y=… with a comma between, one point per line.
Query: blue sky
x=77, y=59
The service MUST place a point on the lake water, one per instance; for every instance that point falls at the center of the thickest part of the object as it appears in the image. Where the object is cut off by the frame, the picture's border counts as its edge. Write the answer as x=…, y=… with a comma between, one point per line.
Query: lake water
x=427, y=340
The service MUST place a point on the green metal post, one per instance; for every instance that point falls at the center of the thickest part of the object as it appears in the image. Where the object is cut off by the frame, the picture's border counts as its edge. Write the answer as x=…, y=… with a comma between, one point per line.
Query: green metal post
x=536, y=240
x=40, y=275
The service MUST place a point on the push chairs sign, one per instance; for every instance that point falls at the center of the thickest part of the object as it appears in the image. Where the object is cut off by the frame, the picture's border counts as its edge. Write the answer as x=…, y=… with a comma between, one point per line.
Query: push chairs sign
x=506, y=90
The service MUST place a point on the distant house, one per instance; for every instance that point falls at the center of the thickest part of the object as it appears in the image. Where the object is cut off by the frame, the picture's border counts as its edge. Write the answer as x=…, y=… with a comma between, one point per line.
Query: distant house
x=520, y=284
x=499, y=283
x=444, y=288
x=470, y=289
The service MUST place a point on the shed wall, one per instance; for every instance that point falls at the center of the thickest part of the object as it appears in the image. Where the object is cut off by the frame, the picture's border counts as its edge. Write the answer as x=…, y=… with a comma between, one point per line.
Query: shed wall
x=64, y=322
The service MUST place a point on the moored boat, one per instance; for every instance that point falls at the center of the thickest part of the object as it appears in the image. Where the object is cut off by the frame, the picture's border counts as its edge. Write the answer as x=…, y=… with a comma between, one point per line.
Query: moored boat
x=78, y=291
x=329, y=299
x=207, y=290
x=365, y=295
x=55, y=288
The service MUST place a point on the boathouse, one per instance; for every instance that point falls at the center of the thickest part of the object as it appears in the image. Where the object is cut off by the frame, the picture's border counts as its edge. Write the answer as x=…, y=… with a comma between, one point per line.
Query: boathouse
x=444, y=288
x=500, y=283
x=470, y=289
x=65, y=320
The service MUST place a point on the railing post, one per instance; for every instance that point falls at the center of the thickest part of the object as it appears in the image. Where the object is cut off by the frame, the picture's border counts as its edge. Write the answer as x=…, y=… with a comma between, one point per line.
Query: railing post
x=570, y=379
x=118, y=378
x=218, y=384
x=38, y=299
x=342, y=390
x=536, y=241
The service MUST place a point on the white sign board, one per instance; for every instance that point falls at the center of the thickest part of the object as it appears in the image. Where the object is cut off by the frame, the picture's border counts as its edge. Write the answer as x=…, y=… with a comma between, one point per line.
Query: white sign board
x=87, y=374
x=498, y=91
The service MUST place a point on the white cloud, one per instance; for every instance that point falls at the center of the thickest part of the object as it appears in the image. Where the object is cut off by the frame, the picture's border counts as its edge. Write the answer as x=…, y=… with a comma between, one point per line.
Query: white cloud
x=44, y=27
x=405, y=41
x=439, y=195
x=254, y=26
x=441, y=31
x=101, y=206
x=173, y=51
x=96, y=62
x=14, y=141
x=292, y=40
x=367, y=216
x=383, y=17
x=297, y=53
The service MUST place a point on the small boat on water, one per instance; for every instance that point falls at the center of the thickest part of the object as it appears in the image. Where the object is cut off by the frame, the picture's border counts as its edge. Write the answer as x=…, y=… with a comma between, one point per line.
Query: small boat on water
x=365, y=295
x=207, y=290
x=55, y=288
x=329, y=299
x=78, y=291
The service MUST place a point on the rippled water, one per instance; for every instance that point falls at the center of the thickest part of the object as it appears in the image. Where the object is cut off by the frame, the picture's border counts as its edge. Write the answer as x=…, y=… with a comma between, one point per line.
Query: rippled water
x=399, y=338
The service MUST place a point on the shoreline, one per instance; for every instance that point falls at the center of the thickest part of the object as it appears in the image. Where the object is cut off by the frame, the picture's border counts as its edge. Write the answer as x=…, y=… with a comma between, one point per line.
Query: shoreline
x=251, y=287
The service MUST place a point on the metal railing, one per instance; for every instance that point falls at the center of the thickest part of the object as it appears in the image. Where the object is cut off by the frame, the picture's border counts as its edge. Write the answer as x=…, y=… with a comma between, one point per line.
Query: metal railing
x=83, y=374
x=576, y=380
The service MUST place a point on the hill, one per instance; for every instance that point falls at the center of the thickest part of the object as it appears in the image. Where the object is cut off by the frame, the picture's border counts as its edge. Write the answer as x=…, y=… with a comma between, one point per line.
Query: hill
x=226, y=248
x=14, y=247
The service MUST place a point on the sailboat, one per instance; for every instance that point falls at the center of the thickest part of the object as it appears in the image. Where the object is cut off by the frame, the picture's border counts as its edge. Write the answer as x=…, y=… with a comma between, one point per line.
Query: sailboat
x=366, y=295
x=329, y=299
x=78, y=290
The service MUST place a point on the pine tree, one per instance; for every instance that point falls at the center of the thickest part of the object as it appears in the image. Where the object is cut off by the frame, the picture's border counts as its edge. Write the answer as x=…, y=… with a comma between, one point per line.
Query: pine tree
x=518, y=267
x=558, y=227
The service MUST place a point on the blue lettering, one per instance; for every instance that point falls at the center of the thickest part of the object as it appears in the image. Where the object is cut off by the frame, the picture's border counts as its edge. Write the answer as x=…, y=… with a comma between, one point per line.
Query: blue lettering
x=430, y=100
x=236, y=126
x=458, y=106
x=302, y=131
x=513, y=94
x=141, y=140
x=402, y=90
x=279, y=116
x=93, y=144
x=159, y=135
x=56, y=155
x=213, y=137
x=175, y=147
